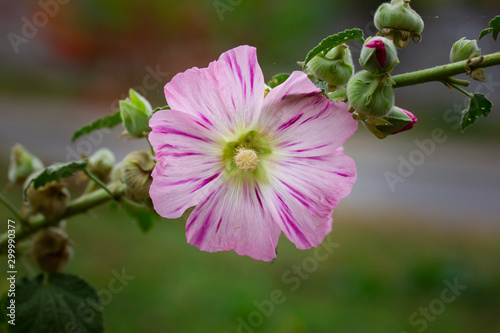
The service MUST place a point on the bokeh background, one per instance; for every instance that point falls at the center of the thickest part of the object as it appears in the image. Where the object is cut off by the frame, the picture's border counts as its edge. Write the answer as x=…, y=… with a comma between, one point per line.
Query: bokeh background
x=398, y=248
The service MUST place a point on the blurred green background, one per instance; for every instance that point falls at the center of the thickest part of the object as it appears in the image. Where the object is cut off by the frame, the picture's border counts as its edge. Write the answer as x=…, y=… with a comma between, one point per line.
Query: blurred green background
x=398, y=249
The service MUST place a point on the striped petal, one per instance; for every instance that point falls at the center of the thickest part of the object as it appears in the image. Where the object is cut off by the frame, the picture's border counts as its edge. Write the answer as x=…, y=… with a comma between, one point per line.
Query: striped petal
x=228, y=94
x=188, y=162
x=303, y=121
x=305, y=190
x=234, y=216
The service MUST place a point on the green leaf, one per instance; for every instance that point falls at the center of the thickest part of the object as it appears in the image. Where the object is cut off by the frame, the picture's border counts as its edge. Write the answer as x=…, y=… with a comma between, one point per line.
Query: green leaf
x=278, y=79
x=330, y=42
x=105, y=122
x=56, y=303
x=57, y=171
x=144, y=216
x=494, y=28
x=478, y=106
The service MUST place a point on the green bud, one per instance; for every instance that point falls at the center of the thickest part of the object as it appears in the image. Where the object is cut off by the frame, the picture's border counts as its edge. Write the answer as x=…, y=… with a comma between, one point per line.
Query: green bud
x=22, y=164
x=370, y=95
x=135, y=113
x=398, y=21
x=335, y=67
x=379, y=55
x=463, y=48
x=101, y=163
x=50, y=200
x=52, y=249
x=136, y=174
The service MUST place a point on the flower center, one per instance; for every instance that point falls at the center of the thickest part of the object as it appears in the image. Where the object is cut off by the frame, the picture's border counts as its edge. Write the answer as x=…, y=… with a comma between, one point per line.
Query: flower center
x=246, y=159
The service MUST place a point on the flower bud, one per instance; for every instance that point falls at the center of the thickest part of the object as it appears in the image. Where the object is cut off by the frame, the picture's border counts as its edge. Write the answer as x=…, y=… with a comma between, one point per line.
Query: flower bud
x=101, y=163
x=465, y=49
x=22, y=164
x=398, y=120
x=335, y=67
x=135, y=113
x=398, y=21
x=136, y=174
x=379, y=55
x=370, y=95
x=52, y=249
x=51, y=199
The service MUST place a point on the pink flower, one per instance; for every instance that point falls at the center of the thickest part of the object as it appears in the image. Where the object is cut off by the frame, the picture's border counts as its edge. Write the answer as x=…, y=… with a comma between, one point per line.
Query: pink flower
x=252, y=166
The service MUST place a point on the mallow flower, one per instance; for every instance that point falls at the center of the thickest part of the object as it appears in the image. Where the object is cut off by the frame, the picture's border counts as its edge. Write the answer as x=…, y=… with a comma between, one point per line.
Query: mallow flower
x=254, y=165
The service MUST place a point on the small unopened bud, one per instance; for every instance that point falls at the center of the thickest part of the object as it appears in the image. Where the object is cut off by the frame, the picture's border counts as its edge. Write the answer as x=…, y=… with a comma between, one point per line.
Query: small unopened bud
x=136, y=174
x=397, y=121
x=398, y=21
x=465, y=49
x=22, y=164
x=135, y=113
x=52, y=249
x=379, y=55
x=370, y=95
x=101, y=163
x=51, y=199
x=335, y=67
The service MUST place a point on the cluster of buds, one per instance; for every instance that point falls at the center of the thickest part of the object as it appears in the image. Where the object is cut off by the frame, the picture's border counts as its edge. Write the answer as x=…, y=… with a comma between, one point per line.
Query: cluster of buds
x=466, y=49
x=399, y=22
x=335, y=67
x=370, y=92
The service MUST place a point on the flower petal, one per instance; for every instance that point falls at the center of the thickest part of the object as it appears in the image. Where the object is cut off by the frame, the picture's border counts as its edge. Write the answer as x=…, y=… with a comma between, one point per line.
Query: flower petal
x=305, y=190
x=188, y=164
x=228, y=94
x=302, y=120
x=234, y=217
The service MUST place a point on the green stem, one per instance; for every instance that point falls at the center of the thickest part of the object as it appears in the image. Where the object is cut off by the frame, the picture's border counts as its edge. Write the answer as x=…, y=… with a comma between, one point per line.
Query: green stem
x=461, y=90
x=10, y=206
x=458, y=82
x=79, y=205
x=98, y=182
x=441, y=73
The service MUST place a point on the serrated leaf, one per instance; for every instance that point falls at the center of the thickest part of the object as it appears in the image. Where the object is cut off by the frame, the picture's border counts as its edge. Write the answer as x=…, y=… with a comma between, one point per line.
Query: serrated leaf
x=330, y=42
x=144, y=217
x=105, y=122
x=58, y=303
x=478, y=106
x=494, y=28
x=278, y=79
x=57, y=171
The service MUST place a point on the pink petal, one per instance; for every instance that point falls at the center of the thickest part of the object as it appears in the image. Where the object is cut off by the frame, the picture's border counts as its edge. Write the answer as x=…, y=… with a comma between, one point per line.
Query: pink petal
x=189, y=163
x=305, y=192
x=234, y=217
x=303, y=121
x=227, y=94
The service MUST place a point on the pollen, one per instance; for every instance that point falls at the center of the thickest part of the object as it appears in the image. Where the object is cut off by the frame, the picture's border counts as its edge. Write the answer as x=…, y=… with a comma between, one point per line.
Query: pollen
x=246, y=159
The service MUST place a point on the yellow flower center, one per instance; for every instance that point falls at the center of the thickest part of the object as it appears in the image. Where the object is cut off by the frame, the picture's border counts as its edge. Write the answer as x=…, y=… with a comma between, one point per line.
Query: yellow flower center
x=246, y=159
